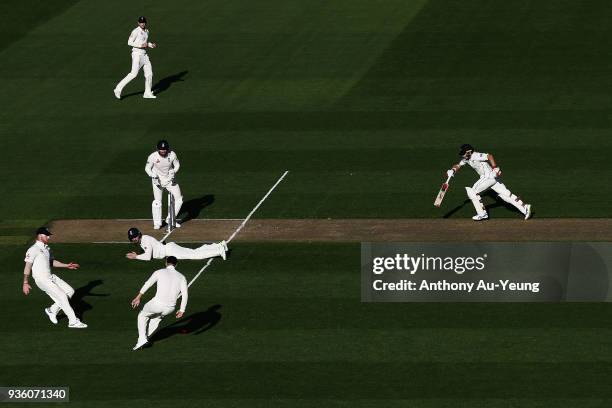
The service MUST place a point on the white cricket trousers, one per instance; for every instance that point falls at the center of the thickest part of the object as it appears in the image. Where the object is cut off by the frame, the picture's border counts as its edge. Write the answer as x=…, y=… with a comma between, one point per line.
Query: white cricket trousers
x=495, y=184
x=140, y=59
x=59, y=291
x=150, y=316
x=203, y=252
x=158, y=199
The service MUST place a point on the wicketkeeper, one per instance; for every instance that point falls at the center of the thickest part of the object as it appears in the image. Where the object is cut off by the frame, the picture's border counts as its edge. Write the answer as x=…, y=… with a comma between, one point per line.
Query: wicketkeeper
x=162, y=166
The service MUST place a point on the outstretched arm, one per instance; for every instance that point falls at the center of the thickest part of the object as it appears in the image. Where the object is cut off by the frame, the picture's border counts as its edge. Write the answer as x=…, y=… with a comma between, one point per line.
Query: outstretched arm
x=145, y=287
x=454, y=169
x=145, y=256
x=71, y=265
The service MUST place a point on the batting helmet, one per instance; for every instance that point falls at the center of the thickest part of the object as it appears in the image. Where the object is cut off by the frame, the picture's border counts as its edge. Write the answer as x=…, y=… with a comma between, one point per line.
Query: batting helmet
x=163, y=145
x=142, y=19
x=464, y=148
x=133, y=233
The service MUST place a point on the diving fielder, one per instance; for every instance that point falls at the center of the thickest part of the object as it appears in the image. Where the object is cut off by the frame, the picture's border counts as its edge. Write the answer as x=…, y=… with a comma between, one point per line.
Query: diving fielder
x=170, y=284
x=139, y=41
x=38, y=262
x=154, y=249
x=162, y=165
x=490, y=177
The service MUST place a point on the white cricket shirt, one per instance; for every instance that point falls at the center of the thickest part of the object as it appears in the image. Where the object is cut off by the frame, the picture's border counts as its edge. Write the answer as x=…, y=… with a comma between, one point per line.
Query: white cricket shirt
x=480, y=163
x=158, y=166
x=152, y=248
x=170, y=283
x=138, y=36
x=41, y=258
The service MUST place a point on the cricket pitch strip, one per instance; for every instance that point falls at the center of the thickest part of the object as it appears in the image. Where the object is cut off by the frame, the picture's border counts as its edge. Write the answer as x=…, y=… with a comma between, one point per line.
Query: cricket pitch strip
x=344, y=230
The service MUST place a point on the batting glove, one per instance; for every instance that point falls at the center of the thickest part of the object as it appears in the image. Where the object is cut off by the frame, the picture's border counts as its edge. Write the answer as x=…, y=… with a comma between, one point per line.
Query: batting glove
x=497, y=171
x=450, y=173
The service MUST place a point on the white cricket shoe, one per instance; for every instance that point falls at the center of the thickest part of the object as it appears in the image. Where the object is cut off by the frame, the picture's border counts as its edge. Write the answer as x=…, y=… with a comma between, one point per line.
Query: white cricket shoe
x=149, y=96
x=140, y=344
x=52, y=316
x=482, y=217
x=156, y=227
x=527, y=211
x=117, y=93
x=77, y=325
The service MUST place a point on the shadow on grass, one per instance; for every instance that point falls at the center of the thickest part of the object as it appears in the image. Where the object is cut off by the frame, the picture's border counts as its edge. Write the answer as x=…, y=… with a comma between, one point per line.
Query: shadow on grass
x=489, y=193
x=77, y=301
x=192, y=208
x=162, y=85
x=196, y=323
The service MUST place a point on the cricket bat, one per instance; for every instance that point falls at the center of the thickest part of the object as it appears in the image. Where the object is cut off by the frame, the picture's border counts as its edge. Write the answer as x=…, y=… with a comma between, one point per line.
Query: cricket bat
x=441, y=193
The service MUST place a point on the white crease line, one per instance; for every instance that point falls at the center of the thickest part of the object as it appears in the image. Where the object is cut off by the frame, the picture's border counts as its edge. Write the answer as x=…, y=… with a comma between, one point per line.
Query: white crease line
x=248, y=217
x=197, y=219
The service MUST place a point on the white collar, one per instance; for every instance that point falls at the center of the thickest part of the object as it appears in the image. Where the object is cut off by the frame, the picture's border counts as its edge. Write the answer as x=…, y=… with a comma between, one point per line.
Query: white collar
x=41, y=244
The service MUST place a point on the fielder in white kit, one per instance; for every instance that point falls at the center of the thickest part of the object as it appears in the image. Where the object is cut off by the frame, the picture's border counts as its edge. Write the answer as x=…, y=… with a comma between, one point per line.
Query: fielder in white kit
x=490, y=177
x=38, y=262
x=153, y=249
x=170, y=284
x=162, y=166
x=139, y=41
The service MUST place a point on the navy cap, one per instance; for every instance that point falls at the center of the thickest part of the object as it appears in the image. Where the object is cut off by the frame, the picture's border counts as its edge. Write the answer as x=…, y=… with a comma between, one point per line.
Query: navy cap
x=142, y=19
x=163, y=145
x=133, y=233
x=44, y=231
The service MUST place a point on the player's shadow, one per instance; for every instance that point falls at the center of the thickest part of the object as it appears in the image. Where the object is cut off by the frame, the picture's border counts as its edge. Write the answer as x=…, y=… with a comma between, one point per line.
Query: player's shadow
x=192, y=208
x=162, y=85
x=195, y=323
x=79, y=305
x=498, y=203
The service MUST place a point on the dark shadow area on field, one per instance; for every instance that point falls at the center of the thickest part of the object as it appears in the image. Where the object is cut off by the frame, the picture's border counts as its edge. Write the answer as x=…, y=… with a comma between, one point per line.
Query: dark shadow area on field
x=497, y=204
x=196, y=323
x=165, y=83
x=192, y=208
x=455, y=210
x=161, y=85
x=79, y=305
x=20, y=17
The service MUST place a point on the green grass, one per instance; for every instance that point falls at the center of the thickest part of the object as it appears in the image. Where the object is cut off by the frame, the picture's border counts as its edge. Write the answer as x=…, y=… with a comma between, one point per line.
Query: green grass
x=364, y=101
x=285, y=325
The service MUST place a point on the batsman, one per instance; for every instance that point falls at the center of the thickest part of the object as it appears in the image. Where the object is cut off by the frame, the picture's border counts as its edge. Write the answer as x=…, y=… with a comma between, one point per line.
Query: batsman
x=490, y=177
x=162, y=166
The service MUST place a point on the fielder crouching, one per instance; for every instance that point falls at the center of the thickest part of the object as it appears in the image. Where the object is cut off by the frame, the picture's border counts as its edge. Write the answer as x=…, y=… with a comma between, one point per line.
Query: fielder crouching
x=154, y=249
x=170, y=284
x=38, y=262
